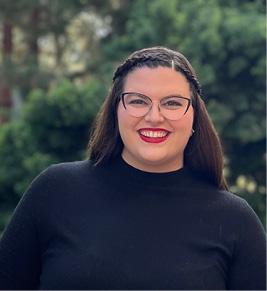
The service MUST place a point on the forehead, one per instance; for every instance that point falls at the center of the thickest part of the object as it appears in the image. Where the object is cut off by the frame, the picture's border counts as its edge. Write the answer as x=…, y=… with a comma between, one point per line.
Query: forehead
x=157, y=82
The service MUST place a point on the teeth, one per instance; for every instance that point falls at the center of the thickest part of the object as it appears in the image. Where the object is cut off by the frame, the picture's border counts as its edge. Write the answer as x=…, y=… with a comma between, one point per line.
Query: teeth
x=153, y=133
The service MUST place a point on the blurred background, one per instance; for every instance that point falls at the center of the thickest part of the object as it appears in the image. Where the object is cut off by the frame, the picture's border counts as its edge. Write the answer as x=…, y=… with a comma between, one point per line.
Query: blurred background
x=56, y=64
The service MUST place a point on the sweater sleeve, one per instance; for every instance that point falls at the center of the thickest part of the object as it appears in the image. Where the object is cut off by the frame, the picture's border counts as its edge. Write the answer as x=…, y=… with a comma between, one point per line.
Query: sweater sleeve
x=20, y=259
x=248, y=268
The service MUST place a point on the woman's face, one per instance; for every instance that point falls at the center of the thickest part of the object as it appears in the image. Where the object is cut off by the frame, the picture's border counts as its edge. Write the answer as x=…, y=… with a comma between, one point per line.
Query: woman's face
x=148, y=153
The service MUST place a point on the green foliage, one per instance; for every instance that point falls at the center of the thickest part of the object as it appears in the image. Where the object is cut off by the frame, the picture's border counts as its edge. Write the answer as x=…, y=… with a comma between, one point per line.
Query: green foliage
x=59, y=120
x=53, y=127
x=11, y=152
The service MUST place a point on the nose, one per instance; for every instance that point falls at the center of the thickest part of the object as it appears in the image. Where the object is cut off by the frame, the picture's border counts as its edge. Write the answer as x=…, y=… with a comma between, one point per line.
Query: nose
x=154, y=115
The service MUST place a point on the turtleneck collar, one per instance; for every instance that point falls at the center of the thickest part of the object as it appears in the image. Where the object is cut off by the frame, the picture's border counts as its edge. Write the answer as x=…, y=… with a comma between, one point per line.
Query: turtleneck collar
x=119, y=171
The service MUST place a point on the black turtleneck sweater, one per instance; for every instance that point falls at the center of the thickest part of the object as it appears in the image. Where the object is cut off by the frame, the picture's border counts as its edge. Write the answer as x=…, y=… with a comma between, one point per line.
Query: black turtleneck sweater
x=116, y=227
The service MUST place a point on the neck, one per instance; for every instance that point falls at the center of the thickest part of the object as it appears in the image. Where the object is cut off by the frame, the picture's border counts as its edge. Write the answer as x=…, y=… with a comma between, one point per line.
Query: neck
x=153, y=167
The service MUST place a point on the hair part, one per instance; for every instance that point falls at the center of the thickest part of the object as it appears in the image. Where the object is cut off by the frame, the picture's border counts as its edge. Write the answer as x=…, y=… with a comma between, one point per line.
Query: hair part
x=203, y=153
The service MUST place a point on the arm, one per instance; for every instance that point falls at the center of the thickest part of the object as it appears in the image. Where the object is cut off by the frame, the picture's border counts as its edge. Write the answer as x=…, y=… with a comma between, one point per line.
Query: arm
x=248, y=269
x=20, y=258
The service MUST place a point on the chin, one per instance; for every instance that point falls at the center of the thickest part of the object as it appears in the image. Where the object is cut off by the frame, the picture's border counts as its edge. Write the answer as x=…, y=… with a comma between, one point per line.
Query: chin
x=156, y=161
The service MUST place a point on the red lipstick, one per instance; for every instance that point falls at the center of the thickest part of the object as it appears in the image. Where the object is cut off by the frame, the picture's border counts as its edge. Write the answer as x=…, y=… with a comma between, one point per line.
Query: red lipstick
x=148, y=135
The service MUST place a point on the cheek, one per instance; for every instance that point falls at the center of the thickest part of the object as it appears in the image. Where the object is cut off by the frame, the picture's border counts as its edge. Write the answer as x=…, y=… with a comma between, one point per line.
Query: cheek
x=125, y=123
x=120, y=115
x=184, y=125
x=122, y=120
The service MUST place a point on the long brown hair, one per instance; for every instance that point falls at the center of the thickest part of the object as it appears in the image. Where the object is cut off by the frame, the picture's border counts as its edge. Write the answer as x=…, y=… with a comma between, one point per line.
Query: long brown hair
x=203, y=153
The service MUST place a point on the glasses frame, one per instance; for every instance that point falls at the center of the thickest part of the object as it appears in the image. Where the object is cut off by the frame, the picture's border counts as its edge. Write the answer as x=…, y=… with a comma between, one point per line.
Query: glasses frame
x=145, y=96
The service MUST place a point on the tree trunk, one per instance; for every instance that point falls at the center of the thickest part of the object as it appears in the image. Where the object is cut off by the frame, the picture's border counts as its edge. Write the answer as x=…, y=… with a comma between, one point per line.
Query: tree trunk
x=5, y=87
x=33, y=40
x=7, y=39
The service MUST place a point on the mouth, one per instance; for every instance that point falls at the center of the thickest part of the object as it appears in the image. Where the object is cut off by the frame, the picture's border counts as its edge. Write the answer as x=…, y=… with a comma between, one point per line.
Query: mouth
x=153, y=135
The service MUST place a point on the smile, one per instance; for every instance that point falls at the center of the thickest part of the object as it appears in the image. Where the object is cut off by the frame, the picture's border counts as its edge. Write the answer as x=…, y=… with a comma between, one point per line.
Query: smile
x=153, y=135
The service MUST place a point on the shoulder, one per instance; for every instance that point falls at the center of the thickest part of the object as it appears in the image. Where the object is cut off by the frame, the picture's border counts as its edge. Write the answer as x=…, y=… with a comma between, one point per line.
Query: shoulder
x=68, y=169
x=236, y=208
x=213, y=196
x=229, y=200
x=235, y=218
x=61, y=175
x=232, y=200
x=224, y=204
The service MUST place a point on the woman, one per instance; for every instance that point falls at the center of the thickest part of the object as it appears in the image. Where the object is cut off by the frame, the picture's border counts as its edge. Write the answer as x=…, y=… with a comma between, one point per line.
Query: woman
x=150, y=208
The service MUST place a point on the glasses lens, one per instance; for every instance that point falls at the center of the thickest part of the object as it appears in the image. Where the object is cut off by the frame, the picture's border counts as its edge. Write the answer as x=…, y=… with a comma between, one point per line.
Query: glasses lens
x=174, y=107
x=137, y=105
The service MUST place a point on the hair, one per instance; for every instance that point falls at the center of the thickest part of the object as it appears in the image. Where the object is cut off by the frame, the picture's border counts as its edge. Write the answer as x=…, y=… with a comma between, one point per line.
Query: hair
x=203, y=153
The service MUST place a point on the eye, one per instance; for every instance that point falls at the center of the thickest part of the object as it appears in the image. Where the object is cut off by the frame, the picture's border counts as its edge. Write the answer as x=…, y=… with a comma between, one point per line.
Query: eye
x=172, y=103
x=135, y=100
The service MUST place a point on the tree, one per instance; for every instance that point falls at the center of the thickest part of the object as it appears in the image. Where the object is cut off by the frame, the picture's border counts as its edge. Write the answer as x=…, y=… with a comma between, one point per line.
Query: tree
x=53, y=127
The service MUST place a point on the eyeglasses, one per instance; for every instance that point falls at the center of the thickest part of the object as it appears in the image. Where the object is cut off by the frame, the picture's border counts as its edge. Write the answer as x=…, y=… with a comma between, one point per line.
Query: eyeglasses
x=171, y=107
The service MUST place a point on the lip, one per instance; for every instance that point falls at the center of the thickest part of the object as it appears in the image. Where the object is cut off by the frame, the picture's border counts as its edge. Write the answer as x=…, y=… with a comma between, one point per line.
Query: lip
x=153, y=129
x=154, y=139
